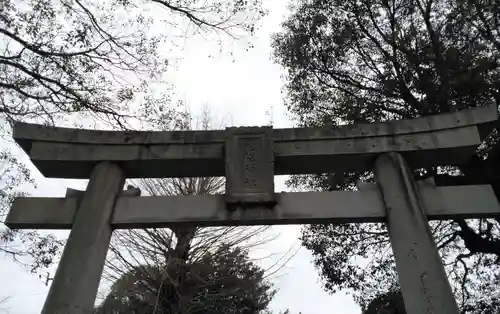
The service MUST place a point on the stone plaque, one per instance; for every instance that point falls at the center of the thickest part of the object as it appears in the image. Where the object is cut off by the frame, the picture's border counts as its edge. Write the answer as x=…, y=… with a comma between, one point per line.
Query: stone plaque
x=249, y=158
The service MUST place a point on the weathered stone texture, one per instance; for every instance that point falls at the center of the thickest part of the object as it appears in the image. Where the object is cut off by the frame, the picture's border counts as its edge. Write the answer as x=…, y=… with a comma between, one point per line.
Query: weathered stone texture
x=76, y=281
x=422, y=277
x=249, y=160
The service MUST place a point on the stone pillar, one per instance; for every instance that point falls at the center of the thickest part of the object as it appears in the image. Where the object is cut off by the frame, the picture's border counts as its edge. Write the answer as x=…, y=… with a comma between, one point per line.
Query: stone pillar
x=422, y=277
x=76, y=281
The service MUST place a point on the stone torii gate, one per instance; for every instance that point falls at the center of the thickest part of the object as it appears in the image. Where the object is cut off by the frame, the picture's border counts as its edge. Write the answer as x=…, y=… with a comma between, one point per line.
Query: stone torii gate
x=249, y=157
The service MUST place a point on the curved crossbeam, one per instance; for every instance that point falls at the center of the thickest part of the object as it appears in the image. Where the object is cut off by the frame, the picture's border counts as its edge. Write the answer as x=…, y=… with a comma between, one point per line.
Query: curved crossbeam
x=72, y=153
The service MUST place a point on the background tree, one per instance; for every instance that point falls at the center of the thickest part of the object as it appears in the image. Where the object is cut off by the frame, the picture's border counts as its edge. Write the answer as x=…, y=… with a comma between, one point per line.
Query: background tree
x=388, y=303
x=78, y=56
x=366, y=61
x=223, y=281
x=186, y=269
x=37, y=249
x=94, y=63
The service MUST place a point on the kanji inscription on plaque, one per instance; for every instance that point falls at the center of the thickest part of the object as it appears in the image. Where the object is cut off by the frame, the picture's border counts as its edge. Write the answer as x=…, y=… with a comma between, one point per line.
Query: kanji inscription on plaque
x=249, y=159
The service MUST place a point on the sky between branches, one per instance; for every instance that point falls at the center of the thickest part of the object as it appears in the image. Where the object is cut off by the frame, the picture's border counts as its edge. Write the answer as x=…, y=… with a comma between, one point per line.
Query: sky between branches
x=242, y=88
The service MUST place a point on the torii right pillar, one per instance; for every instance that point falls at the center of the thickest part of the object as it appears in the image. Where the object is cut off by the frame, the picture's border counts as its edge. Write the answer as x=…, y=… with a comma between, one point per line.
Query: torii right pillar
x=422, y=277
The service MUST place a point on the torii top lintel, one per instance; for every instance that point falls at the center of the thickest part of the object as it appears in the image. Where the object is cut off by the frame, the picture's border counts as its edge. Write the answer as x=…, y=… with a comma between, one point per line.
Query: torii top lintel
x=439, y=139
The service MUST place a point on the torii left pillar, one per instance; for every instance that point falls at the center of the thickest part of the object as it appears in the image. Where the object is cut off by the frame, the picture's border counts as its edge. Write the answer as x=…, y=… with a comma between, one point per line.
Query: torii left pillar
x=77, y=278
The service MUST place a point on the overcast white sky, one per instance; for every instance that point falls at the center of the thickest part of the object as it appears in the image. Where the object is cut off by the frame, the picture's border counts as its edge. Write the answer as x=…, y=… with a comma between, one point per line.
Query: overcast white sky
x=240, y=90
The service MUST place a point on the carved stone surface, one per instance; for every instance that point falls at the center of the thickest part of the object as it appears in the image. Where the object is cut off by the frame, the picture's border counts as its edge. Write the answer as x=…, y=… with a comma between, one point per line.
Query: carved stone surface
x=249, y=164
